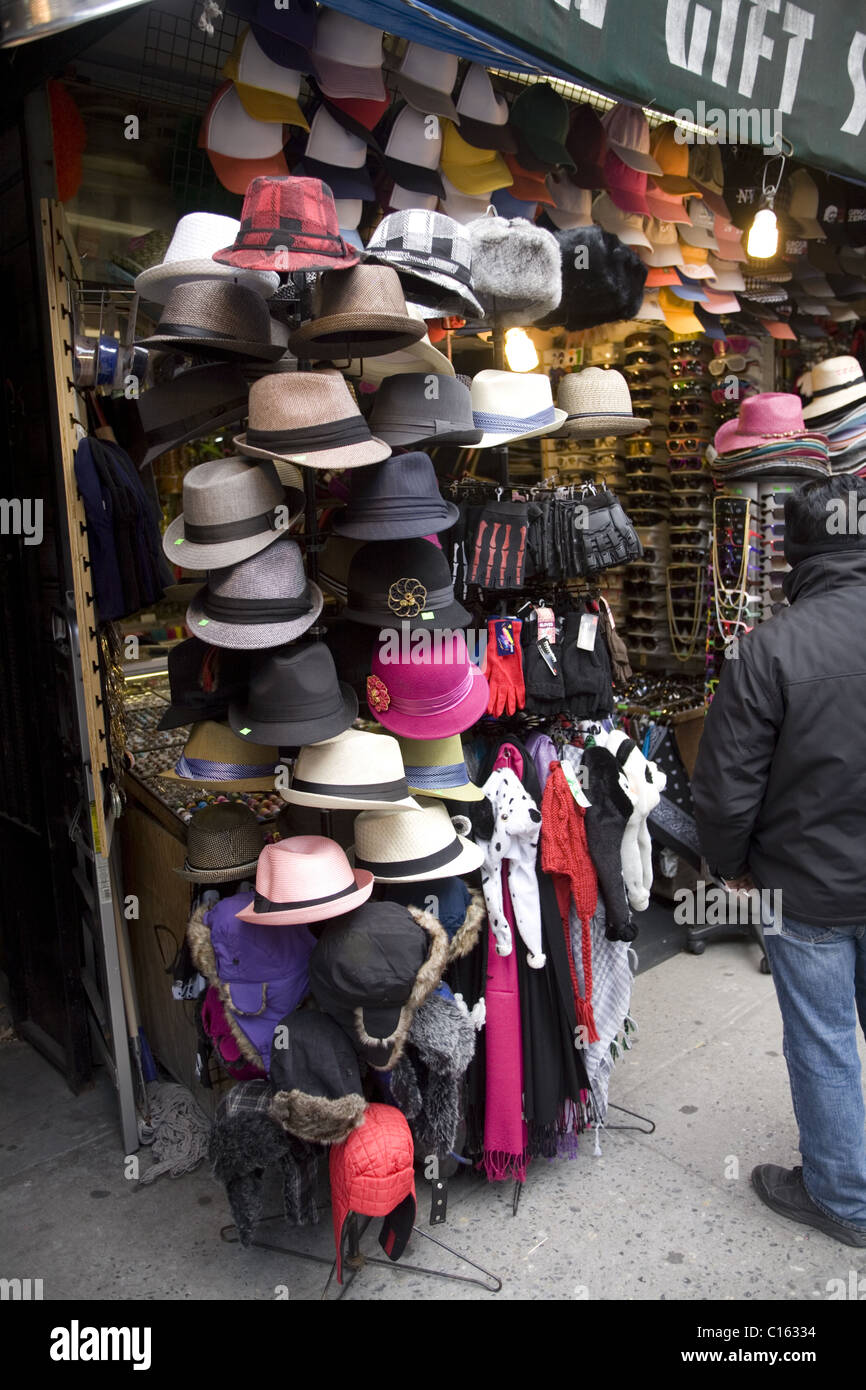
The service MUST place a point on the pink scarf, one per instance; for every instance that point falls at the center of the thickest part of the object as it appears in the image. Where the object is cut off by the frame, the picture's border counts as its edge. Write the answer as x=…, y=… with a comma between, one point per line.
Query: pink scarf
x=505, y=1132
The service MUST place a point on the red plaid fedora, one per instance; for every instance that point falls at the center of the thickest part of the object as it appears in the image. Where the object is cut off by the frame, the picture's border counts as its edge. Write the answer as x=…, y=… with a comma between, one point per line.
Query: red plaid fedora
x=289, y=224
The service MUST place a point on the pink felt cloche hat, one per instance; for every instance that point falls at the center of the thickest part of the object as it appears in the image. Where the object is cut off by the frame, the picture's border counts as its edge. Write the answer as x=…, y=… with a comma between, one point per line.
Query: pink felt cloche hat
x=306, y=878
x=431, y=693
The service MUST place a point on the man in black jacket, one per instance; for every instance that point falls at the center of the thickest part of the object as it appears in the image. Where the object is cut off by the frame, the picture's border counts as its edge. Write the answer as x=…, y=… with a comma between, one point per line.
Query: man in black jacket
x=780, y=798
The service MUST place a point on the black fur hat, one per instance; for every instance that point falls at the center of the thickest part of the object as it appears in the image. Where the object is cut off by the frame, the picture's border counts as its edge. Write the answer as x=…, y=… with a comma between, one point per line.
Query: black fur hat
x=602, y=280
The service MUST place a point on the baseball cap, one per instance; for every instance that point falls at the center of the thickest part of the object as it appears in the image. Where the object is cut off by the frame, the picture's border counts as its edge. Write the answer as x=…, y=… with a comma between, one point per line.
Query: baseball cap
x=572, y=205
x=268, y=91
x=727, y=276
x=672, y=159
x=667, y=207
x=484, y=113
x=664, y=247
x=337, y=157
x=413, y=151
x=678, y=314
x=803, y=204
x=628, y=226
x=729, y=238
x=627, y=134
x=695, y=263
x=239, y=147
x=461, y=206
x=707, y=173
x=470, y=169
x=586, y=143
x=527, y=185
x=626, y=186
x=426, y=79
x=286, y=35
x=347, y=57
x=700, y=230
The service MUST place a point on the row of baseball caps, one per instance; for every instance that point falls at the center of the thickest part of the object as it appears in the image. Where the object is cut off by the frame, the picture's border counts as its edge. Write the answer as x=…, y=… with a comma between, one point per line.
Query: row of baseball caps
x=542, y=150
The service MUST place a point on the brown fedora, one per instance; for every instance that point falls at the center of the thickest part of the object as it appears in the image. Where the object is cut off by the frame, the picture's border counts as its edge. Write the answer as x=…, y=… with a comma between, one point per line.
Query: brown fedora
x=308, y=417
x=216, y=317
x=360, y=313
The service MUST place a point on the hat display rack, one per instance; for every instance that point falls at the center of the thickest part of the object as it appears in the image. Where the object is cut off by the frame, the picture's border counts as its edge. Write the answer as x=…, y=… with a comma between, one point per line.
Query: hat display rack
x=645, y=509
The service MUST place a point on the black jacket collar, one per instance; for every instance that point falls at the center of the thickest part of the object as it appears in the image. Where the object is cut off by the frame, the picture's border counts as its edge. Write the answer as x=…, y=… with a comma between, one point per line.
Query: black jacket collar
x=832, y=570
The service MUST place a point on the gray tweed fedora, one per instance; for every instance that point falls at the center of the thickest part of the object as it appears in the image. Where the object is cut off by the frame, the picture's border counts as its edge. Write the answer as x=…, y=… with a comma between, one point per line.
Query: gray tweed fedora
x=223, y=843
x=264, y=601
x=229, y=513
x=216, y=317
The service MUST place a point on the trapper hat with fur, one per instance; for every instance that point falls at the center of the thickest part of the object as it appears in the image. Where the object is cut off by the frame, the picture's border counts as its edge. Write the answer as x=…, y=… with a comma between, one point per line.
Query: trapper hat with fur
x=604, y=284
x=315, y=1079
x=515, y=269
x=372, y=969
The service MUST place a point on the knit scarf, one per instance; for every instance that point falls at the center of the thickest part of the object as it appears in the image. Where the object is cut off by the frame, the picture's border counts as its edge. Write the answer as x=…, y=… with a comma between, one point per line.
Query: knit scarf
x=565, y=856
x=505, y=1132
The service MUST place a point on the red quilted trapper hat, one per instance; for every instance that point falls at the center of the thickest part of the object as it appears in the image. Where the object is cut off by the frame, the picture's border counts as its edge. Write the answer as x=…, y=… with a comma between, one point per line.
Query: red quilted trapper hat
x=289, y=224
x=373, y=1174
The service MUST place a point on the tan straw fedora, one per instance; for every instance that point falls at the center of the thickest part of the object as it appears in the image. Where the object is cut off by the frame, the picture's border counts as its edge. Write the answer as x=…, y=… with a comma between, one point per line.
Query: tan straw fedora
x=308, y=417
x=216, y=759
x=360, y=313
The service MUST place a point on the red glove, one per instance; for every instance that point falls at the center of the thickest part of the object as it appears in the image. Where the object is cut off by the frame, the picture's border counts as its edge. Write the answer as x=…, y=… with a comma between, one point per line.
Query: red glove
x=503, y=666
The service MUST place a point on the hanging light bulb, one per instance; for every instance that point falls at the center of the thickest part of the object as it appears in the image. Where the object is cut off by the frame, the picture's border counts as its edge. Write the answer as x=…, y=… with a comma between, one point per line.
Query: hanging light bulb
x=520, y=353
x=763, y=241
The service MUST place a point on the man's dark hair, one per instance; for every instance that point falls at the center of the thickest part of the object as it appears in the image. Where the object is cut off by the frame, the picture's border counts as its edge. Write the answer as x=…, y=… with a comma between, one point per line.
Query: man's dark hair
x=818, y=517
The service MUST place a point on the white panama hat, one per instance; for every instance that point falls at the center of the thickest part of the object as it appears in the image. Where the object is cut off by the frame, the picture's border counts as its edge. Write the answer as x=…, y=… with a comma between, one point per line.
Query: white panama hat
x=189, y=256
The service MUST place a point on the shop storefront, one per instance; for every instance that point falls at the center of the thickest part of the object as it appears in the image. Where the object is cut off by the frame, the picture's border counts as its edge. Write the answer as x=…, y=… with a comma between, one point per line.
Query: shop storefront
x=400, y=419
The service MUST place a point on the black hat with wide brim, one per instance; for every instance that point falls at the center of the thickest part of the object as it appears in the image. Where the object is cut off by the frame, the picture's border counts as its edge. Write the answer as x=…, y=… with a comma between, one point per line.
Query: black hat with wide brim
x=294, y=698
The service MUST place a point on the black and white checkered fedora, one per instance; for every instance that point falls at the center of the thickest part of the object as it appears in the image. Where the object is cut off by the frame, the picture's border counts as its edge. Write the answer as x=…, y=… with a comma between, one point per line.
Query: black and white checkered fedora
x=432, y=255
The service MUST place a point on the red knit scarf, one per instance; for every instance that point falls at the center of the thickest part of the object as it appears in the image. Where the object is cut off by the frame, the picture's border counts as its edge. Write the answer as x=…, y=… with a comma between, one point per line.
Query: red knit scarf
x=565, y=856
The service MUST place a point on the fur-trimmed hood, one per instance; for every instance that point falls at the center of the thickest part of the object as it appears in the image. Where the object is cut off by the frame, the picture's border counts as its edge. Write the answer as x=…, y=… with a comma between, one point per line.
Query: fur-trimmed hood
x=369, y=961
x=316, y=1079
x=466, y=936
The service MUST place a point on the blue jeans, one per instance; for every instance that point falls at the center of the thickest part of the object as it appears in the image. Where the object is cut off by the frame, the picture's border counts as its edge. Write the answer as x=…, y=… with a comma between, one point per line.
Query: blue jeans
x=820, y=979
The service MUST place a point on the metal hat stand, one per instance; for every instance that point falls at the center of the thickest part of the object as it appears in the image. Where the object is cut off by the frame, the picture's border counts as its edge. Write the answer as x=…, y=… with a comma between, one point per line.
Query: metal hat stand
x=354, y=1259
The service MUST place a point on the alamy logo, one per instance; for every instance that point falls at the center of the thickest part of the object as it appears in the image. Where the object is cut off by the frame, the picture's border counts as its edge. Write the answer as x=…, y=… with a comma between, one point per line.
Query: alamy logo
x=738, y=125
x=20, y=1290
x=22, y=516
x=77, y=1343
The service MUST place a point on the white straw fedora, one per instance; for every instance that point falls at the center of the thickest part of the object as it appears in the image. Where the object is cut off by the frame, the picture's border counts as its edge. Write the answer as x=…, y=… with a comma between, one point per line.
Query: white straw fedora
x=190, y=257
x=597, y=402
x=835, y=383
x=358, y=771
x=411, y=846
x=512, y=405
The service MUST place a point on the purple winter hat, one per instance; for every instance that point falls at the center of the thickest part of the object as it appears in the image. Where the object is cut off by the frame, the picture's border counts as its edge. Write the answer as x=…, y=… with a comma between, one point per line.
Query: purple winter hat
x=263, y=970
x=425, y=694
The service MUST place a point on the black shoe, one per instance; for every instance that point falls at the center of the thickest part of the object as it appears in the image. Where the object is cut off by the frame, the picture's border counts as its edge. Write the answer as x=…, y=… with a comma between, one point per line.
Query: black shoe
x=783, y=1190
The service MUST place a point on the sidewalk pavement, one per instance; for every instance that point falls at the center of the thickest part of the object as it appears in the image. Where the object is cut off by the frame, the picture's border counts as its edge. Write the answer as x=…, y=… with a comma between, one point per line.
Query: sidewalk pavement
x=664, y=1216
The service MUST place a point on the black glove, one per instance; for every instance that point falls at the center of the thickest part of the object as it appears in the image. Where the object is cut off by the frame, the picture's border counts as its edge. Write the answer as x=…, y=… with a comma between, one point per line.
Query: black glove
x=604, y=533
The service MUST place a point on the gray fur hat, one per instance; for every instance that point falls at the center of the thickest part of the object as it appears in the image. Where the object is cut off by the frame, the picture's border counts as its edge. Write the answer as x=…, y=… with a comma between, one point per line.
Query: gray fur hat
x=516, y=269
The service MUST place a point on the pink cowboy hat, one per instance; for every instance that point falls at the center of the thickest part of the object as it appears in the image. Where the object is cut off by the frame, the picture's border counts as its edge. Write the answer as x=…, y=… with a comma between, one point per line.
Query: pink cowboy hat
x=305, y=878
x=763, y=418
x=429, y=694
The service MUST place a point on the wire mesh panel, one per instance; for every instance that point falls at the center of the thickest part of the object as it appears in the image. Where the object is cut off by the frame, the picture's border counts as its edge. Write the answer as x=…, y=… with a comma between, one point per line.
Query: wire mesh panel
x=181, y=64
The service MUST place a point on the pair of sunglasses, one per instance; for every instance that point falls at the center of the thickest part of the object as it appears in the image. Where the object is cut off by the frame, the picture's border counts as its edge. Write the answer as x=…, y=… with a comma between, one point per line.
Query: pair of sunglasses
x=690, y=499
x=690, y=388
x=635, y=447
x=688, y=366
x=691, y=463
x=687, y=444
x=681, y=554
x=644, y=357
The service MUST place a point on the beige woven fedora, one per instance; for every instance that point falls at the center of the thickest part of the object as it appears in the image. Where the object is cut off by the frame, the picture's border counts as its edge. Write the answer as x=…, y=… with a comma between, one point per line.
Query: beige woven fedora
x=216, y=759
x=357, y=771
x=597, y=402
x=229, y=513
x=223, y=843
x=410, y=846
x=217, y=317
x=308, y=417
x=360, y=313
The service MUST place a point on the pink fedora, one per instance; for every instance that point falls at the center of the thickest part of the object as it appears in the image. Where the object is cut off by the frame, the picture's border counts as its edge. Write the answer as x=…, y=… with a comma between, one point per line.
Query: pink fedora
x=305, y=878
x=763, y=418
x=428, y=693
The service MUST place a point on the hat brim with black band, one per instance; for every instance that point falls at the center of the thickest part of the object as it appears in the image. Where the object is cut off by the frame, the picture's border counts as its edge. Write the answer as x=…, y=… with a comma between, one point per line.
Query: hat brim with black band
x=382, y=524
x=440, y=610
x=460, y=857
x=329, y=905
x=220, y=383
x=336, y=444
x=353, y=335
x=251, y=623
x=180, y=337
x=400, y=436
x=484, y=135
x=292, y=727
x=259, y=778
x=223, y=543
